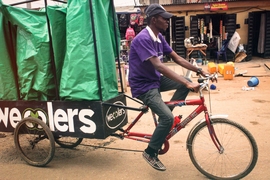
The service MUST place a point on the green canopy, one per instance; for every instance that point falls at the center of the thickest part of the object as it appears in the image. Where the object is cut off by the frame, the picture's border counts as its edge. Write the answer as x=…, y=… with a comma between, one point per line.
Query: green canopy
x=8, y=90
x=90, y=51
x=83, y=48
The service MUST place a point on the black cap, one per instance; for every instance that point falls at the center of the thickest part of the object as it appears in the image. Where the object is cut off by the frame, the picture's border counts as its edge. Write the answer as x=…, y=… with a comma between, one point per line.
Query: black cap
x=154, y=9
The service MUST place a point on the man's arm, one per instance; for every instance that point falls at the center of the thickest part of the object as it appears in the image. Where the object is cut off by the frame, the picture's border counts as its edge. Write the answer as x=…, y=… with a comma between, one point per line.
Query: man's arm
x=184, y=63
x=163, y=69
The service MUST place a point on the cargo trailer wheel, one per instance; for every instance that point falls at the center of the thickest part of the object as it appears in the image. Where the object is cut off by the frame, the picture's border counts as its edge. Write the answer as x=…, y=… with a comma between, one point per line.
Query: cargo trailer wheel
x=34, y=141
x=68, y=142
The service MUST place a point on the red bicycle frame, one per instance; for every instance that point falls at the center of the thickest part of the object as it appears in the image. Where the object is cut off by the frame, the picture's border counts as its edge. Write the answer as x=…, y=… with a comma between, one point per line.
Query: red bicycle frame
x=144, y=137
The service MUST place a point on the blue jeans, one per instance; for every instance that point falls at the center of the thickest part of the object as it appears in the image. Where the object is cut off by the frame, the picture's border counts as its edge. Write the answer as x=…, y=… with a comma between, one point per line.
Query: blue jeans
x=153, y=99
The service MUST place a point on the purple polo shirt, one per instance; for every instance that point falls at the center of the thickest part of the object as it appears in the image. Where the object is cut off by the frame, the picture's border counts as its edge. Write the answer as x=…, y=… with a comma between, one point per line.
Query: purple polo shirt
x=142, y=74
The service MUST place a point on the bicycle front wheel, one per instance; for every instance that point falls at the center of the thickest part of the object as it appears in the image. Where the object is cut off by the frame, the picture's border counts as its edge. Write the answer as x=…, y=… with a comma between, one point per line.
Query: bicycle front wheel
x=235, y=162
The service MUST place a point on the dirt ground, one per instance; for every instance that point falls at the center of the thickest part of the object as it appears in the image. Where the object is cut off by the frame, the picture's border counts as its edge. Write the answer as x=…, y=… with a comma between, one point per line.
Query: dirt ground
x=116, y=159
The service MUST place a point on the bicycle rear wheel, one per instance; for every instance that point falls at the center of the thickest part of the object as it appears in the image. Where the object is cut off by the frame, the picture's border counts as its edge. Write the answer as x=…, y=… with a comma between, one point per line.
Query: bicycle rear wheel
x=235, y=162
x=34, y=141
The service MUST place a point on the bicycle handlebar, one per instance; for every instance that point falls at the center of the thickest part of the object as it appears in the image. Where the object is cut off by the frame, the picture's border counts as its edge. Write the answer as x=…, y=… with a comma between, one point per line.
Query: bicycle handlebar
x=205, y=81
x=212, y=77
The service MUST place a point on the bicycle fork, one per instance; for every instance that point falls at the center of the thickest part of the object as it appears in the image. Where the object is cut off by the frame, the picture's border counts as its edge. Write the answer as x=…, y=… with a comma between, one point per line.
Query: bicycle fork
x=213, y=135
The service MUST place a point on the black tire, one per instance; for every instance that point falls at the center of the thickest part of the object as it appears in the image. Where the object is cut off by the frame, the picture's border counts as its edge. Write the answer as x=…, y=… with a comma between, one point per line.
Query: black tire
x=68, y=142
x=34, y=141
x=240, y=153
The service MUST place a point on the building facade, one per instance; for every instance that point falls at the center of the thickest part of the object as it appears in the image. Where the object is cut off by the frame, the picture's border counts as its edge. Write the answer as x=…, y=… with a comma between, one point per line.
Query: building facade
x=250, y=19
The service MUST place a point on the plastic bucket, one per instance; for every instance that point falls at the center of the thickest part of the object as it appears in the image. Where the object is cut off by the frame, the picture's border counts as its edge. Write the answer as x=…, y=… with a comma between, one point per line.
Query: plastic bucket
x=254, y=81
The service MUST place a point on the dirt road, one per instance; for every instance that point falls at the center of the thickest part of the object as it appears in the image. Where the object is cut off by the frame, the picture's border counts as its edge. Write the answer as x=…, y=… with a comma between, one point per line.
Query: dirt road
x=249, y=108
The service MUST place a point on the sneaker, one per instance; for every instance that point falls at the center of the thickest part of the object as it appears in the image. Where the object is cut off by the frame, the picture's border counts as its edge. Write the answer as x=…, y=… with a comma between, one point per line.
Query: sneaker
x=154, y=162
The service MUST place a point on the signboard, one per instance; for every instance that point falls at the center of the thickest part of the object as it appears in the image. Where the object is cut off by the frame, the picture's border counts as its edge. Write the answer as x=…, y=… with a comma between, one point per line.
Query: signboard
x=85, y=119
x=216, y=6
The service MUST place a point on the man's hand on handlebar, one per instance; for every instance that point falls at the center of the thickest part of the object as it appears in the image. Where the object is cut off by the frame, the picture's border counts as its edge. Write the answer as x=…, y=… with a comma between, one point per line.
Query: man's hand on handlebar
x=194, y=87
x=204, y=74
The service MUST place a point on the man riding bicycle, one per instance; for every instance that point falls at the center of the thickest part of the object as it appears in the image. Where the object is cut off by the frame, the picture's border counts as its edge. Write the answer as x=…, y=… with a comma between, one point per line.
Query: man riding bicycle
x=148, y=76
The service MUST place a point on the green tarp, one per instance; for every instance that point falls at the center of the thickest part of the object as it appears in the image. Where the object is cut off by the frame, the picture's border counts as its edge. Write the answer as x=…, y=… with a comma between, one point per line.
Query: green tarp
x=57, y=17
x=8, y=88
x=84, y=43
x=32, y=57
x=79, y=75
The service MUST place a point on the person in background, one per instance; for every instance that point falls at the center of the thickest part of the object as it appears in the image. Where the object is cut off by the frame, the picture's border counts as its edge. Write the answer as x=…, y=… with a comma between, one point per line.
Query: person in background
x=130, y=34
x=148, y=76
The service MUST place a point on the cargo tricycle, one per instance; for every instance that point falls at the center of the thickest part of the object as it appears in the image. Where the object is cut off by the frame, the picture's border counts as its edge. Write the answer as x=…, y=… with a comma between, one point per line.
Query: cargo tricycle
x=218, y=147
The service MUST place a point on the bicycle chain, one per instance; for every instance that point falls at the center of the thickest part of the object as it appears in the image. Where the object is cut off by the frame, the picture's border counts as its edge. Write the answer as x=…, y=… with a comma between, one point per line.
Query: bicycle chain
x=104, y=147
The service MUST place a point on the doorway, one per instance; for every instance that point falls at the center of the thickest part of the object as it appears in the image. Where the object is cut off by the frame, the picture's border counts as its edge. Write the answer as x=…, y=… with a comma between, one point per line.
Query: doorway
x=258, y=35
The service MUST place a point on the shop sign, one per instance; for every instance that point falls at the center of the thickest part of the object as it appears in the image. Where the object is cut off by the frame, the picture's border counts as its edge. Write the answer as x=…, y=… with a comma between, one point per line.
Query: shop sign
x=57, y=118
x=216, y=6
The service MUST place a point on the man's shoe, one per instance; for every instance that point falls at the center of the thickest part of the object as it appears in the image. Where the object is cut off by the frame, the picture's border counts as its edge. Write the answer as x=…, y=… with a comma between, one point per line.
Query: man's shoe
x=154, y=161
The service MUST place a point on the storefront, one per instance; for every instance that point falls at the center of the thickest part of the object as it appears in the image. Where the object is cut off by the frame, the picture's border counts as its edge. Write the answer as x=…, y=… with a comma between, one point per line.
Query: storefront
x=251, y=21
x=130, y=24
x=210, y=29
x=129, y=19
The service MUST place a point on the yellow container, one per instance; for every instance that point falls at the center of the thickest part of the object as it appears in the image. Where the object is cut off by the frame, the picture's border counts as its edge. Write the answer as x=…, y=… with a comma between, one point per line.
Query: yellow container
x=228, y=72
x=221, y=68
x=231, y=63
x=212, y=68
